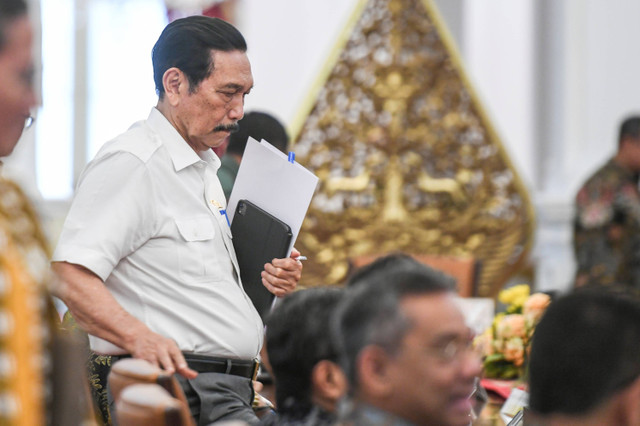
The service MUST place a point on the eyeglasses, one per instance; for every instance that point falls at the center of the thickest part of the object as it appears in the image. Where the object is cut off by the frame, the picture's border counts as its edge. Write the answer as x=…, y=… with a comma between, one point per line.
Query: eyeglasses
x=455, y=349
x=28, y=122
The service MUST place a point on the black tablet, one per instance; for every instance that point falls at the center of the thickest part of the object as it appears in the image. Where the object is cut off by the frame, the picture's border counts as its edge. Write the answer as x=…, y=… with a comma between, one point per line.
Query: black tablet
x=258, y=238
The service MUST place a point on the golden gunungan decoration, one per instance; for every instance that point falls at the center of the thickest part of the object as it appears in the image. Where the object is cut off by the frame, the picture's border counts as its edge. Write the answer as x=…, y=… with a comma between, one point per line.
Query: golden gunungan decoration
x=407, y=159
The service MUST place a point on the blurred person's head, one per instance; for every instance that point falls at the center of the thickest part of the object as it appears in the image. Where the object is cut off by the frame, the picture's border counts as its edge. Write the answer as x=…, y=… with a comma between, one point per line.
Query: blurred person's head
x=302, y=355
x=404, y=344
x=202, y=74
x=384, y=267
x=258, y=125
x=17, y=94
x=584, y=365
x=629, y=143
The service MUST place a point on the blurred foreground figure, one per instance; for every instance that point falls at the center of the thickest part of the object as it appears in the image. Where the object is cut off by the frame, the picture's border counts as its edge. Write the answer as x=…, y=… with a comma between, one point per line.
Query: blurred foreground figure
x=37, y=384
x=304, y=359
x=405, y=347
x=584, y=367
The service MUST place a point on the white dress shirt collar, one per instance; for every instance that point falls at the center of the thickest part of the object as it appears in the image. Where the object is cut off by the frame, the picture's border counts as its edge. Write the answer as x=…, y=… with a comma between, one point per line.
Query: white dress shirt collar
x=181, y=153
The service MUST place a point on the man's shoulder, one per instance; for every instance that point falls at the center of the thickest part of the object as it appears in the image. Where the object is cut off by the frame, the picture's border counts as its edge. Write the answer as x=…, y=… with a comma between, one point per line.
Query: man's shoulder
x=602, y=183
x=603, y=194
x=354, y=414
x=609, y=173
x=139, y=140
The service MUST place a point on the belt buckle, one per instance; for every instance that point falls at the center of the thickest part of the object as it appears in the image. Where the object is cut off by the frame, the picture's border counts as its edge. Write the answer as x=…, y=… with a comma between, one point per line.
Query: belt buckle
x=256, y=367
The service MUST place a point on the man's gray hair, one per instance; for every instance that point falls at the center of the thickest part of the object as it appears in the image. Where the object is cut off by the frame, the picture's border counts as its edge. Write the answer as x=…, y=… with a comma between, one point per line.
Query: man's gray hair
x=370, y=313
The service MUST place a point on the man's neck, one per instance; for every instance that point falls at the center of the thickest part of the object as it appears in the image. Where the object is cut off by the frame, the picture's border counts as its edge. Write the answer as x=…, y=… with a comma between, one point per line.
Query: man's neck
x=364, y=413
x=236, y=157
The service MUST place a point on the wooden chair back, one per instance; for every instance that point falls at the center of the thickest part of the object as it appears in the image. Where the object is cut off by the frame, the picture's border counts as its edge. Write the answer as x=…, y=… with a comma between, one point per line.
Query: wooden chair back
x=148, y=404
x=129, y=371
x=465, y=270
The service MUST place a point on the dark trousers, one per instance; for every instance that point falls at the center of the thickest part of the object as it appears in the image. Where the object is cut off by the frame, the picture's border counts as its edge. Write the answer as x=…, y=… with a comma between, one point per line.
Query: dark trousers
x=214, y=397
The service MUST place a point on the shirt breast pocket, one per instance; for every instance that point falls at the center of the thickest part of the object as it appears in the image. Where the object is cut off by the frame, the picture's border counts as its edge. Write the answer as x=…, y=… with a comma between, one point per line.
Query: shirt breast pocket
x=197, y=249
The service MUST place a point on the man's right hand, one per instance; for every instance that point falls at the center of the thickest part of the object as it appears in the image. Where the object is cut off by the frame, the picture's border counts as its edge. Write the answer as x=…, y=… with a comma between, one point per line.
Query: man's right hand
x=160, y=351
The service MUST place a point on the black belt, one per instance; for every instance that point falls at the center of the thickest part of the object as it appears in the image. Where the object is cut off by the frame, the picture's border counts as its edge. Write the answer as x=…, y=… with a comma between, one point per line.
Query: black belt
x=236, y=367
x=209, y=364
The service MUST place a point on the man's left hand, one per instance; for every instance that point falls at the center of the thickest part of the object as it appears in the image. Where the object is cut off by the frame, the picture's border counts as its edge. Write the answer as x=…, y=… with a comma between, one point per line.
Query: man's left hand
x=281, y=276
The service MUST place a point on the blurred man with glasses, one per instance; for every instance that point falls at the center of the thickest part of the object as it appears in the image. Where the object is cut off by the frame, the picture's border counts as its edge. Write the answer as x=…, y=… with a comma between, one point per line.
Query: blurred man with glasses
x=405, y=347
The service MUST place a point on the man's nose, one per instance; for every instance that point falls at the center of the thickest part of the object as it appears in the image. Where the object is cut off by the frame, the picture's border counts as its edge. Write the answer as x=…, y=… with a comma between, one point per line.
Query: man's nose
x=237, y=108
x=472, y=366
x=31, y=100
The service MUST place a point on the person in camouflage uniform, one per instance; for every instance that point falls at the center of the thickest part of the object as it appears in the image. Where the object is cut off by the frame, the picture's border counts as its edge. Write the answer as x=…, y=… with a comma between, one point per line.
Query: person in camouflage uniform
x=607, y=221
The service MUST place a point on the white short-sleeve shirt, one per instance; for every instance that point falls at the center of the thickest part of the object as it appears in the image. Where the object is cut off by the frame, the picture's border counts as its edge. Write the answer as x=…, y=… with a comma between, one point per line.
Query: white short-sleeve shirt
x=146, y=219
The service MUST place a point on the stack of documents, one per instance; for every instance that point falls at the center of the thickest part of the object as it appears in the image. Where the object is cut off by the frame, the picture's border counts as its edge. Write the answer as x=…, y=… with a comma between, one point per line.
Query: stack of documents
x=267, y=206
x=267, y=179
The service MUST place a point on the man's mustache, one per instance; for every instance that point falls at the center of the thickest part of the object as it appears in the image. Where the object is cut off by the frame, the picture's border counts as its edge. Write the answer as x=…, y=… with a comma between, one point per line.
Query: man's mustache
x=233, y=127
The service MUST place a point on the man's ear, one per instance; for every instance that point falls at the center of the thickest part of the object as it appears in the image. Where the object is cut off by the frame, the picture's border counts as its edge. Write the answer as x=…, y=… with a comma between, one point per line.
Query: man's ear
x=373, y=366
x=328, y=380
x=174, y=83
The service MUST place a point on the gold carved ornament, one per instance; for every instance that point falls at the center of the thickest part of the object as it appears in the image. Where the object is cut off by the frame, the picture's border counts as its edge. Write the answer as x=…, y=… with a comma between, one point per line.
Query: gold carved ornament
x=406, y=157
x=24, y=266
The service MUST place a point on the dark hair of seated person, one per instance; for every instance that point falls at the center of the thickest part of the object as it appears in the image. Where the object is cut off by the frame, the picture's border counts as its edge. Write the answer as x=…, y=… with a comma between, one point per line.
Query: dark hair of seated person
x=385, y=267
x=298, y=338
x=258, y=125
x=585, y=349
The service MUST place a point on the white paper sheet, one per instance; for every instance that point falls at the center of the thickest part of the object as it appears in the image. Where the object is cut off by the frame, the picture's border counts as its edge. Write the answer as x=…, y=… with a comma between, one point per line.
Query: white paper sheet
x=270, y=181
x=478, y=312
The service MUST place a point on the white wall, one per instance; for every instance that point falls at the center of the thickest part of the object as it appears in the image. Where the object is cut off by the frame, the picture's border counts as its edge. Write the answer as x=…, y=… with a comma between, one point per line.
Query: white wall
x=610, y=66
x=288, y=43
x=498, y=42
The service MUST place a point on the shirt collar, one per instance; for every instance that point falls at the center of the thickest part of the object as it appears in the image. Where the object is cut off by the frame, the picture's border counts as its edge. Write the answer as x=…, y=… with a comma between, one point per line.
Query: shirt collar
x=362, y=413
x=182, y=155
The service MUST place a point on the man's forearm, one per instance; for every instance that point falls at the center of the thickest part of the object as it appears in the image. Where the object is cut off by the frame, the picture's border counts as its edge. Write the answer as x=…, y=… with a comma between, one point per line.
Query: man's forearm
x=93, y=307
x=100, y=314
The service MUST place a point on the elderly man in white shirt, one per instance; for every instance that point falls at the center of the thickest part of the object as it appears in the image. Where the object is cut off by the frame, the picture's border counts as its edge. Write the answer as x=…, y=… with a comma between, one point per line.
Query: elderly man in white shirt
x=145, y=254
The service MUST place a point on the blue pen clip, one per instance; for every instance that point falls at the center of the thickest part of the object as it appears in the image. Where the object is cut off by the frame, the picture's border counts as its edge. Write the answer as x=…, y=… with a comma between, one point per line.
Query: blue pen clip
x=224, y=213
x=292, y=157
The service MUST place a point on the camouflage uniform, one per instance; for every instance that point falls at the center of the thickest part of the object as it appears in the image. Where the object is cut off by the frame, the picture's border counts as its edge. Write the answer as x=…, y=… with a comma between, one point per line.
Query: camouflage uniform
x=606, y=228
